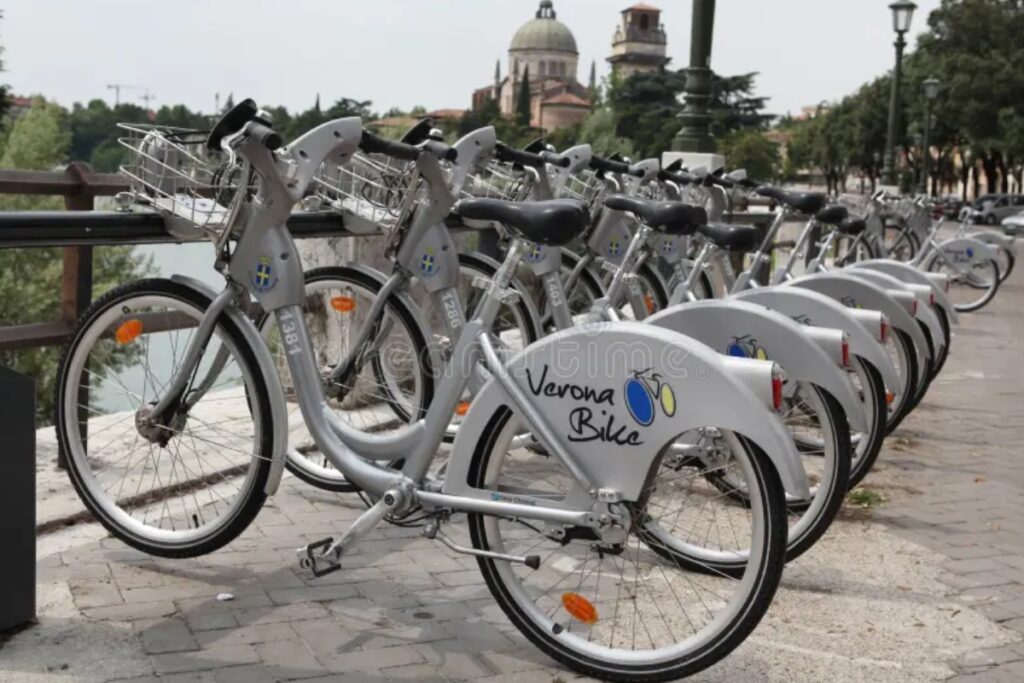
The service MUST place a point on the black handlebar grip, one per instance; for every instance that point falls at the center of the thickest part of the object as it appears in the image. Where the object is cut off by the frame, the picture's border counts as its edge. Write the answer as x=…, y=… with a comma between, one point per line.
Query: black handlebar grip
x=265, y=134
x=680, y=177
x=441, y=150
x=374, y=144
x=607, y=165
x=555, y=159
x=503, y=152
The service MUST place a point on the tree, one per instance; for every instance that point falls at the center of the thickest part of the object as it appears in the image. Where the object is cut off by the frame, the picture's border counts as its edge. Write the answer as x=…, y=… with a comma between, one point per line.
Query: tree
x=751, y=150
x=524, y=112
x=4, y=103
x=30, y=278
x=599, y=131
x=647, y=106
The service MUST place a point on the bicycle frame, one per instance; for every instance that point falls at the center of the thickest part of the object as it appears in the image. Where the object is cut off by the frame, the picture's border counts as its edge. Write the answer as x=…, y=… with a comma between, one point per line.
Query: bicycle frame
x=602, y=477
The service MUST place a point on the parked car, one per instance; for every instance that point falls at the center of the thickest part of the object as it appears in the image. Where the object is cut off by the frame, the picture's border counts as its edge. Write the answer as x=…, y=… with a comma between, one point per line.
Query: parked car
x=949, y=205
x=993, y=208
x=1014, y=225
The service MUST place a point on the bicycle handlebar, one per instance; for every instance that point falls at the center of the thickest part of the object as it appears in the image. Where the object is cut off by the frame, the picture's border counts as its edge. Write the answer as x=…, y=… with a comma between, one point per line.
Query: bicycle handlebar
x=265, y=135
x=511, y=155
x=372, y=143
x=555, y=159
x=608, y=166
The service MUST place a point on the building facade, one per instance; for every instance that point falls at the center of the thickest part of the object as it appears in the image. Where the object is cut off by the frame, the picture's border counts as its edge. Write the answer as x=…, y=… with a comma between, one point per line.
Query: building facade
x=639, y=43
x=543, y=52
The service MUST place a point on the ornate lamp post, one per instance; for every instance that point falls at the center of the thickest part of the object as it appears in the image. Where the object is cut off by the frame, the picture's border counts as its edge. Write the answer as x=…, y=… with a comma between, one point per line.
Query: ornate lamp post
x=931, y=91
x=695, y=135
x=902, y=14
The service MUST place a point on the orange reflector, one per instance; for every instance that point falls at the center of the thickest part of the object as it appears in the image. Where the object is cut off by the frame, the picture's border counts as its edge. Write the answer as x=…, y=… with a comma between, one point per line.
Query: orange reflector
x=649, y=301
x=462, y=408
x=579, y=608
x=343, y=304
x=889, y=397
x=128, y=331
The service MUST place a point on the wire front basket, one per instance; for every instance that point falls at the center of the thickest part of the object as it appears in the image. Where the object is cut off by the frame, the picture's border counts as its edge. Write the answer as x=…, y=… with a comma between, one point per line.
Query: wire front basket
x=171, y=170
x=496, y=180
x=377, y=190
x=586, y=186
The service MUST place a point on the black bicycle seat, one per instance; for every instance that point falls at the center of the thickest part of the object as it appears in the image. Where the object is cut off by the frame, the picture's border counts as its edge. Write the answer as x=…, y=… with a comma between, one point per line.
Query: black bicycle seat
x=673, y=218
x=852, y=226
x=231, y=122
x=554, y=221
x=731, y=237
x=804, y=202
x=832, y=215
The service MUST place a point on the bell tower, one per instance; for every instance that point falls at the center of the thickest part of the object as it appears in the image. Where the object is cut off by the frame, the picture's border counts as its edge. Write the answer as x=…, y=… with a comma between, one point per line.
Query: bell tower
x=638, y=45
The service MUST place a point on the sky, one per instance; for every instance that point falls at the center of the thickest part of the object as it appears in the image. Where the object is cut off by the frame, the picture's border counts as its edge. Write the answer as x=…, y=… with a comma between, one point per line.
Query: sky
x=403, y=53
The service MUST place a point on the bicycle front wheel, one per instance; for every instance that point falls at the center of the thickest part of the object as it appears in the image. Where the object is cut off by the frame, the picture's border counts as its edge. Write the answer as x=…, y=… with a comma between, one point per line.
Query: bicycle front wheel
x=178, y=485
x=623, y=611
x=387, y=382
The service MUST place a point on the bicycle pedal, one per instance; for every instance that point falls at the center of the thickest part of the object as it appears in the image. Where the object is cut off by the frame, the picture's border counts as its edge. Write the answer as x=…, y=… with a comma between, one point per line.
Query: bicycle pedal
x=311, y=558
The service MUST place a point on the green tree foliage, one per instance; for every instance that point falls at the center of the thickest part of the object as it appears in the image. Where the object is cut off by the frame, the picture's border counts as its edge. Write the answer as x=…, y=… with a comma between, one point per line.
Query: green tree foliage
x=524, y=112
x=30, y=279
x=751, y=150
x=646, y=107
x=973, y=48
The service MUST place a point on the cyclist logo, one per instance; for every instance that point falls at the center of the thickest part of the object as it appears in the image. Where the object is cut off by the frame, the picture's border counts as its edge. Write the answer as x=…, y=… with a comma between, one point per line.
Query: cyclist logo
x=746, y=347
x=428, y=264
x=803, y=319
x=535, y=254
x=850, y=302
x=264, y=279
x=643, y=392
x=614, y=247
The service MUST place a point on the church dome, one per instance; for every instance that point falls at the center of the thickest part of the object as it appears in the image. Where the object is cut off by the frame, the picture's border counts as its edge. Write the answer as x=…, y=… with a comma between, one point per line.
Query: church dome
x=544, y=32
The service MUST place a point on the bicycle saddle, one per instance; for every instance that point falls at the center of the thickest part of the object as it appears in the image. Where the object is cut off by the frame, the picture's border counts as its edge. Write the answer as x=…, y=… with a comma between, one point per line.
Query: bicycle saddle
x=852, y=226
x=672, y=218
x=832, y=215
x=804, y=202
x=731, y=237
x=554, y=221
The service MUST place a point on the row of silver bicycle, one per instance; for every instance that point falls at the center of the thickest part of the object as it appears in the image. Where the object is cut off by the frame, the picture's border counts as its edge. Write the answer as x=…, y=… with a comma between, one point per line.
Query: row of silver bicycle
x=630, y=435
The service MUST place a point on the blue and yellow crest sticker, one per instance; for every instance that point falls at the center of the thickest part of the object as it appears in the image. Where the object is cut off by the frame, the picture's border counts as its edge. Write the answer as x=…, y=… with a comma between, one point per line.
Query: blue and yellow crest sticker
x=428, y=263
x=746, y=347
x=264, y=279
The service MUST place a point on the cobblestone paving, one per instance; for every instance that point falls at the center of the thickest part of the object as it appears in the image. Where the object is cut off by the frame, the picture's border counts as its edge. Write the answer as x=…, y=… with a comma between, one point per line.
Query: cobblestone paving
x=961, y=460
x=906, y=591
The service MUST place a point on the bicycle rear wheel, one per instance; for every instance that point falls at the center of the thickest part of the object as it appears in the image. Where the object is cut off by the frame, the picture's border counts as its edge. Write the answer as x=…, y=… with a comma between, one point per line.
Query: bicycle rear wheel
x=623, y=612
x=187, y=483
x=971, y=286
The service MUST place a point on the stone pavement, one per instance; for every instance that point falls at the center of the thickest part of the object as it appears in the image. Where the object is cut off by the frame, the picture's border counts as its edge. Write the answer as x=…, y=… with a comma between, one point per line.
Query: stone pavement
x=960, y=460
x=927, y=586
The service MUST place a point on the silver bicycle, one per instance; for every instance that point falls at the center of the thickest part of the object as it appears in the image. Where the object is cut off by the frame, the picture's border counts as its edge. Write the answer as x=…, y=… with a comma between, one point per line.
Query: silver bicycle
x=559, y=539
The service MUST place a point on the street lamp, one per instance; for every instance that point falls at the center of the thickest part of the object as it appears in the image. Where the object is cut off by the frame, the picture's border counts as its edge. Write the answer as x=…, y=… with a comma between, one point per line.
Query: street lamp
x=902, y=14
x=931, y=88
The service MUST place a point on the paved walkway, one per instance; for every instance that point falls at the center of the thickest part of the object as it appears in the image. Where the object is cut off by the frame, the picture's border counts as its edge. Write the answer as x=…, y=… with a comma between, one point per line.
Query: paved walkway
x=928, y=586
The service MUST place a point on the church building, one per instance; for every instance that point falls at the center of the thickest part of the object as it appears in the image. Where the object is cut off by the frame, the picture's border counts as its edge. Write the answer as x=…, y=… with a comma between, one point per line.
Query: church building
x=543, y=51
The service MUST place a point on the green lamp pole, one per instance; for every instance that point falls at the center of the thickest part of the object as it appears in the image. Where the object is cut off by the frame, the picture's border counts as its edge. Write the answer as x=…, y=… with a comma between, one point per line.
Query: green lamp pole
x=931, y=91
x=902, y=13
x=695, y=135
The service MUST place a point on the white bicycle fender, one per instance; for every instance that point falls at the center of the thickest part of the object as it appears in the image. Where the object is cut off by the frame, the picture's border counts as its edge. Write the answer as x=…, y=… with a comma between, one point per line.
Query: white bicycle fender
x=807, y=307
x=746, y=330
x=616, y=394
x=908, y=273
x=923, y=312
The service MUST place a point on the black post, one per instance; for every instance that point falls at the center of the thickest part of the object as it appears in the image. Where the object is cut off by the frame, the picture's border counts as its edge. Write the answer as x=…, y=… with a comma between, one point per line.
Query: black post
x=889, y=171
x=18, y=499
x=695, y=135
